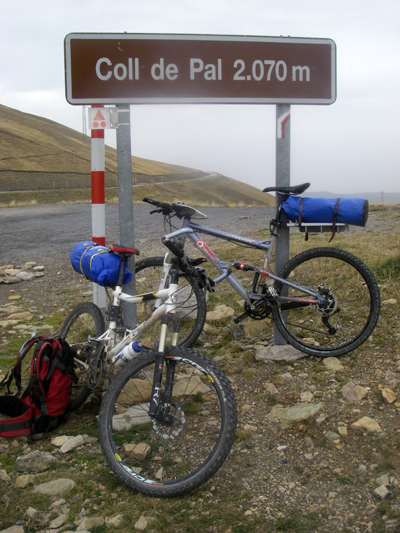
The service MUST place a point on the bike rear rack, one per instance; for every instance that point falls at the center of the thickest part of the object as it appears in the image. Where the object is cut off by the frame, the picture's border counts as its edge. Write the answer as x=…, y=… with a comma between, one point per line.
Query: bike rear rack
x=317, y=227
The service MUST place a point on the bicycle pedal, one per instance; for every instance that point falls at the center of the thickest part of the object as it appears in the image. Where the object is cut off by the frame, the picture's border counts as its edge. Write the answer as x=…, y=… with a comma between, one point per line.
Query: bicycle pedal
x=236, y=334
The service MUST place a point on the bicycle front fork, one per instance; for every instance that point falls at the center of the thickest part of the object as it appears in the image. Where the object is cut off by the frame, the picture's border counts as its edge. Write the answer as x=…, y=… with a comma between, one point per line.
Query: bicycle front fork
x=159, y=407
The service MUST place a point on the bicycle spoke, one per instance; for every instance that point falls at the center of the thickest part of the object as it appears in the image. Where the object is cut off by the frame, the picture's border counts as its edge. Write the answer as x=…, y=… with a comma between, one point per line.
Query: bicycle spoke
x=172, y=449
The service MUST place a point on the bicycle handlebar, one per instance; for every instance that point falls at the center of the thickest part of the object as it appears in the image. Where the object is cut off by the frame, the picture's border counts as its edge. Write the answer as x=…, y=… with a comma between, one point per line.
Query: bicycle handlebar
x=179, y=209
x=163, y=207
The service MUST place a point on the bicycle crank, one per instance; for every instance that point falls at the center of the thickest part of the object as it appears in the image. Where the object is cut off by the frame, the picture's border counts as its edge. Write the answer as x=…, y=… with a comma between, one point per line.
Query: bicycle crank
x=95, y=367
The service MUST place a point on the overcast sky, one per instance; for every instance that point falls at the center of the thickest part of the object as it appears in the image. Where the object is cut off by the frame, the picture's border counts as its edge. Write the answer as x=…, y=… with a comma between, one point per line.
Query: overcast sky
x=350, y=146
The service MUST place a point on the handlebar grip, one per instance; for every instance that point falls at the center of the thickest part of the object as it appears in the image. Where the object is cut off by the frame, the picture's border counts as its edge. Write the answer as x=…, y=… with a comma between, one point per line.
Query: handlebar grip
x=151, y=201
x=165, y=208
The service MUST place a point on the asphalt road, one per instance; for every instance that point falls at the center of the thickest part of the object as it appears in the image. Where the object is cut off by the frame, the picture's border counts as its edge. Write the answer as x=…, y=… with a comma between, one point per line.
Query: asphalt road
x=34, y=233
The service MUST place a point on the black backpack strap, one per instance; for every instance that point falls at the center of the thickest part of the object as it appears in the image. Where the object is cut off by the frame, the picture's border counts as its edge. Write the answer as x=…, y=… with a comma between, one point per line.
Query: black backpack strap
x=16, y=409
x=335, y=212
x=55, y=358
x=15, y=372
x=64, y=357
x=38, y=391
x=300, y=209
x=35, y=387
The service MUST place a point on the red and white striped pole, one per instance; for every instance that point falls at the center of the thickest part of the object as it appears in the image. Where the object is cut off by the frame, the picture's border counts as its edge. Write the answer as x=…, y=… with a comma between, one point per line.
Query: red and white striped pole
x=98, y=187
x=98, y=201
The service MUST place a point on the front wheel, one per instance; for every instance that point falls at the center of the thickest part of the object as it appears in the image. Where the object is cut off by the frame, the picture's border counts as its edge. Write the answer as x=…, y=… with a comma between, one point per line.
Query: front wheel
x=84, y=321
x=187, y=442
x=352, y=302
x=190, y=313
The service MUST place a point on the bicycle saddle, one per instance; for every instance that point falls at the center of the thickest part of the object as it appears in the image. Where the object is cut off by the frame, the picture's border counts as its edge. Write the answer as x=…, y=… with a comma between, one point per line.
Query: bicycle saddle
x=118, y=249
x=295, y=189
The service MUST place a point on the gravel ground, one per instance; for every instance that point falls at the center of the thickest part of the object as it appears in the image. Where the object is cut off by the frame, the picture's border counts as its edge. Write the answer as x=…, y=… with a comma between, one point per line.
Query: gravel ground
x=317, y=475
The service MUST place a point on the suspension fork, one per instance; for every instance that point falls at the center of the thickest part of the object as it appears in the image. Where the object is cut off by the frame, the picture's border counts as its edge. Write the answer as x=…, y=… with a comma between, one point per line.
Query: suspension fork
x=159, y=407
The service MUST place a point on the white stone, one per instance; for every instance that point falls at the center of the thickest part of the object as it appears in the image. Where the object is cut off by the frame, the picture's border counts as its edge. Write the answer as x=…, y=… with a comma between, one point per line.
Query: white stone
x=130, y=417
x=71, y=444
x=88, y=524
x=283, y=352
x=220, y=312
x=332, y=363
x=31, y=512
x=141, y=524
x=349, y=392
x=35, y=461
x=137, y=451
x=13, y=529
x=384, y=479
x=388, y=396
x=390, y=301
x=4, y=476
x=306, y=397
x=58, y=487
x=381, y=492
x=270, y=387
x=58, y=522
x=370, y=425
x=59, y=441
x=23, y=481
x=25, y=276
x=115, y=521
x=287, y=416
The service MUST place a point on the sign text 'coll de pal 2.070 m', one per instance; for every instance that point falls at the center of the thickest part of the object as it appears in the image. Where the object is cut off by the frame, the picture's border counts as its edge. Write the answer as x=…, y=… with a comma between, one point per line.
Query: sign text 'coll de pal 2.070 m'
x=136, y=68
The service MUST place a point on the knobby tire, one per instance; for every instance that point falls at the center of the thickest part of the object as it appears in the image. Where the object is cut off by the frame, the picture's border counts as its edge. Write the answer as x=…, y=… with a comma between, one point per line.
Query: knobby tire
x=172, y=456
x=356, y=297
x=85, y=320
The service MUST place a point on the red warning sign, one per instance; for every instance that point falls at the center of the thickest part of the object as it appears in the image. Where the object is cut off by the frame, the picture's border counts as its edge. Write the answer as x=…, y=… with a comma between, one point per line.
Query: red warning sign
x=99, y=118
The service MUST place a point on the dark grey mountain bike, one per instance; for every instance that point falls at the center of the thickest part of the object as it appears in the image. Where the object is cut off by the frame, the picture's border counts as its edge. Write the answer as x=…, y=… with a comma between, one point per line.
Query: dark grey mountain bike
x=324, y=301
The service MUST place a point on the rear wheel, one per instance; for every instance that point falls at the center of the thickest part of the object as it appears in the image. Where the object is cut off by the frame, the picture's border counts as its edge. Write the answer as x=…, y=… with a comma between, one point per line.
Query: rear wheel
x=84, y=321
x=190, y=313
x=351, y=308
x=190, y=436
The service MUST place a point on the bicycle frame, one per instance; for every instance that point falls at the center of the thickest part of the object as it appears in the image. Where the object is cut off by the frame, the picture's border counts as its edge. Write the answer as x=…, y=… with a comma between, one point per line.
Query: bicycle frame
x=135, y=334
x=190, y=229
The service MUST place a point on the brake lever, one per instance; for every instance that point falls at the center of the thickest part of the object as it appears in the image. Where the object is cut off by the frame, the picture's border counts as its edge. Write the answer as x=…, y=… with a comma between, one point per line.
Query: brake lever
x=156, y=211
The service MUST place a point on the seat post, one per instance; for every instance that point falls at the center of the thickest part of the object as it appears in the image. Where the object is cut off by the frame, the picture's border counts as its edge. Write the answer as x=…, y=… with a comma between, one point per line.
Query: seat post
x=124, y=258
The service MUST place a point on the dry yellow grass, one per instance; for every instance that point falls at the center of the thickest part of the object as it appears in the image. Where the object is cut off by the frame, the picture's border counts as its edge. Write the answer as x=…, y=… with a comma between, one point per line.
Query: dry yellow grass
x=55, y=161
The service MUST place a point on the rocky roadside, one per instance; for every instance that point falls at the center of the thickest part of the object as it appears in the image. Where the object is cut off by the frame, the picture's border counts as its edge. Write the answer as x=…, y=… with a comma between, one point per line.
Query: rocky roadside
x=316, y=450
x=317, y=446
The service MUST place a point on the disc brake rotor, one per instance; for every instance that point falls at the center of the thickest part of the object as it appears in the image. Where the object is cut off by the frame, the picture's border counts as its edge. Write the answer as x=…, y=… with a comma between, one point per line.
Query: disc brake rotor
x=170, y=430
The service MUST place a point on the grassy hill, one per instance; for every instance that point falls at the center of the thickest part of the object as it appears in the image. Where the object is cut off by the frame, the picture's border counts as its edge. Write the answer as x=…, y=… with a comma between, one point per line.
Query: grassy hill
x=52, y=162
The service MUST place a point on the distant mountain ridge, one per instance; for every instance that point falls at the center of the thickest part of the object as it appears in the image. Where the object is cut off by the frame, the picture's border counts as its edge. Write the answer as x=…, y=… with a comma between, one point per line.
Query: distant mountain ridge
x=42, y=161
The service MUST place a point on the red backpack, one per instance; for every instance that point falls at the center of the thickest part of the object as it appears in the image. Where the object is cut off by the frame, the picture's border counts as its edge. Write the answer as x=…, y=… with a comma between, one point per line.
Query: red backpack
x=47, y=395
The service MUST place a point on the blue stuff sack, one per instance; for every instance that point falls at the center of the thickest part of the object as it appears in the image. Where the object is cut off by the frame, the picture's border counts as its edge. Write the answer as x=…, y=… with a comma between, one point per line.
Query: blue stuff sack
x=97, y=263
x=352, y=211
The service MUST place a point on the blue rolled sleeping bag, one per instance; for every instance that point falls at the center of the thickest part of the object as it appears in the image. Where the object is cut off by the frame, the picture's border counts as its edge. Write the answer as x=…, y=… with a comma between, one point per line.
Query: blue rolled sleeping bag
x=352, y=211
x=97, y=264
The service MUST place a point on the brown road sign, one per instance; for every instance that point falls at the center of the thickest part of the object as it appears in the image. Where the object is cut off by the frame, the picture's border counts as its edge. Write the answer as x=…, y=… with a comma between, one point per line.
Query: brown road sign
x=147, y=69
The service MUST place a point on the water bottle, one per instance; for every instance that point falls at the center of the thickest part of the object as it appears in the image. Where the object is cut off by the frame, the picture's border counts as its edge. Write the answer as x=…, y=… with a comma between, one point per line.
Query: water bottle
x=125, y=355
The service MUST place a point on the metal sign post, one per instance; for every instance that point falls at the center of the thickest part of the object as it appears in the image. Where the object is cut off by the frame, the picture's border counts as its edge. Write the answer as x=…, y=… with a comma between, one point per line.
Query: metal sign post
x=125, y=202
x=282, y=179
